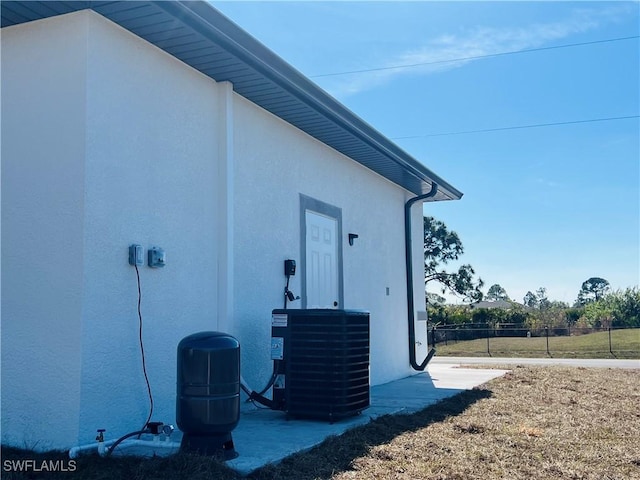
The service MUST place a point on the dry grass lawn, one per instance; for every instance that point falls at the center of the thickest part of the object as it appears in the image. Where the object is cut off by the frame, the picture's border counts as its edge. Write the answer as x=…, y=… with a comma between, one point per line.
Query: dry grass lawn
x=534, y=423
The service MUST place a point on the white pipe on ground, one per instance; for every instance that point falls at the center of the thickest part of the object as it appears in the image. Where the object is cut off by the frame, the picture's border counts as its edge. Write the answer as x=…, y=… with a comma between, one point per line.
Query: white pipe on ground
x=97, y=446
x=154, y=444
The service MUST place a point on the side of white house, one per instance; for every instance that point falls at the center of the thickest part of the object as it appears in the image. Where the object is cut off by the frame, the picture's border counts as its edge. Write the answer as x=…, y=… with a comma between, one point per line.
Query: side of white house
x=109, y=141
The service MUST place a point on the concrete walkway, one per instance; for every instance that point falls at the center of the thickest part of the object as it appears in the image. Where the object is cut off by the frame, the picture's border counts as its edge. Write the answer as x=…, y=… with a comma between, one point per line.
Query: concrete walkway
x=569, y=362
x=264, y=436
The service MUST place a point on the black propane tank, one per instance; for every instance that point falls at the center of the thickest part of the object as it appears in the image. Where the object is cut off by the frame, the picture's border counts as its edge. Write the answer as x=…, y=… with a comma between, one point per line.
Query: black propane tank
x=208, y=393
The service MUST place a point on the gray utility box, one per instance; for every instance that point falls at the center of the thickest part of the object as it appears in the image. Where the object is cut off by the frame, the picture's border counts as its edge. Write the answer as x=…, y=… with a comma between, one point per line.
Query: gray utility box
x=322, y=362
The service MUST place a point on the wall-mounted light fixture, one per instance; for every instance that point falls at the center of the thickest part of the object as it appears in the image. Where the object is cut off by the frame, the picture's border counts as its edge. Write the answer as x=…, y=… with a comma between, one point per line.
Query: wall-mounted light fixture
x=352, y=237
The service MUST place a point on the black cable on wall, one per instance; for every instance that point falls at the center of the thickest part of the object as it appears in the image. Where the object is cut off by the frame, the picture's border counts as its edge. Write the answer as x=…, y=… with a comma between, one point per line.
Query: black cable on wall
x=144, y=364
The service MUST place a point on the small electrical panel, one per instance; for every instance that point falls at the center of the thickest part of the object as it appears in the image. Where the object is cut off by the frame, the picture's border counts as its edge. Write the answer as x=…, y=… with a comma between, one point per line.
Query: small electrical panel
x=156, y=257
x=136, y=255
x=289, y=268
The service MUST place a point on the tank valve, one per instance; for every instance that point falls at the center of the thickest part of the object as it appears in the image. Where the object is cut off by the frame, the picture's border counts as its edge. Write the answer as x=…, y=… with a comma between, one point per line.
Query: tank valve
x=168, y=430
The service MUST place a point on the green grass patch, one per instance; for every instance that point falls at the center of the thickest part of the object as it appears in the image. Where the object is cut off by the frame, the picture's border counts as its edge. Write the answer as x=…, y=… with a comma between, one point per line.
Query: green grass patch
x=625, y=343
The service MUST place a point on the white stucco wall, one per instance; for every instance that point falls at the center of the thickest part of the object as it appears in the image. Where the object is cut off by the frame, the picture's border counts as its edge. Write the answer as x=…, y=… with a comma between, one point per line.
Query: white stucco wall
x=43, y=151
x=108, y=141
x=152, y=167
x=113, y=143
x=274, y=164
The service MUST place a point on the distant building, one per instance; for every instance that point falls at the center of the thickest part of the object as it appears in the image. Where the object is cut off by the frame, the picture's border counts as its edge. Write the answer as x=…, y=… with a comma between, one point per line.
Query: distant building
x=502, y=304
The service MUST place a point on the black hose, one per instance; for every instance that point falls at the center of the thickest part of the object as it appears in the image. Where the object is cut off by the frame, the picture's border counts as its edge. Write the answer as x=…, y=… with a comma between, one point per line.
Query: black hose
x=121, y=439
x=272, y=380
x=286, y=293
x=256, y=397
x=245, y=389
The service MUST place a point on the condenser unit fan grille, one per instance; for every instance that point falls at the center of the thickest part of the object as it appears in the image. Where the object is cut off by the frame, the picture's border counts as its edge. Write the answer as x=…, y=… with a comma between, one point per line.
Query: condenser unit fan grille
x=326, y=357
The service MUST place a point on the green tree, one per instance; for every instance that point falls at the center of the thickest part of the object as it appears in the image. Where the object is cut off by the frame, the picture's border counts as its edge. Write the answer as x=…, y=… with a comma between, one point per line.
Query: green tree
x=442, y=246
x=435, y=299
x=496, y=292
x=530, y=300
x=617, y=309
x=482, y=316
x=593, y=289
x=625, y=307
x=573, y=315
x=543, y=301
x=599, y=314
x=449, y=314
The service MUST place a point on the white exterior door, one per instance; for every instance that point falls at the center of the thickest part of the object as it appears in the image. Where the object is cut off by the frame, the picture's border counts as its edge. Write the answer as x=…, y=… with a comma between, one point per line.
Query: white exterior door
x=321, y=260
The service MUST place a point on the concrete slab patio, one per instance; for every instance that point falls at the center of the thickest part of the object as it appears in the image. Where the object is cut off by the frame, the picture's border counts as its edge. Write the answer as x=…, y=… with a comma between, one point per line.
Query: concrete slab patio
x=264, y=436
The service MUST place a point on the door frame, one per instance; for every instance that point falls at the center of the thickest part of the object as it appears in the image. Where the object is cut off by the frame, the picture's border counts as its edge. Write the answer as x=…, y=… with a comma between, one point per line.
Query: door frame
x=309, y=203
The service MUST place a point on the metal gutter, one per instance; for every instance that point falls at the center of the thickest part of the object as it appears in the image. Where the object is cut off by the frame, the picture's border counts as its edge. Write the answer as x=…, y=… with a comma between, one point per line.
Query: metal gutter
x=408, y=244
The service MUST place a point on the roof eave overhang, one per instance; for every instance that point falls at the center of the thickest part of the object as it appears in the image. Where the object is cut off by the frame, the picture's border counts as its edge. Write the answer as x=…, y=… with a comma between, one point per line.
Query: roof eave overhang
x=282, y=90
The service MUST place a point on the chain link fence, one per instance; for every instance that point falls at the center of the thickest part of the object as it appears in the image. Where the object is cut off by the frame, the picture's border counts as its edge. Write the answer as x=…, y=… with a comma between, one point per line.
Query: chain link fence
x=518, y=341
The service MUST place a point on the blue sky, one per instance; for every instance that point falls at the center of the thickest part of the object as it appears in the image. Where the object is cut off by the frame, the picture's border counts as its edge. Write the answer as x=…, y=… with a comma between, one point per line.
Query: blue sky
x=542, y=207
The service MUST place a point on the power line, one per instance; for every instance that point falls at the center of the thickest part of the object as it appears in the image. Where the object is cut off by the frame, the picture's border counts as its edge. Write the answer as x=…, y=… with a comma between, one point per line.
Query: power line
x=488, y=55
x=517, y=127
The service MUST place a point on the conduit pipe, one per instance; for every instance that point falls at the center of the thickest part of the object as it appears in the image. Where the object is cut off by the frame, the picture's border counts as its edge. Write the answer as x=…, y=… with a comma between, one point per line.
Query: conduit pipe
x=409, y=269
